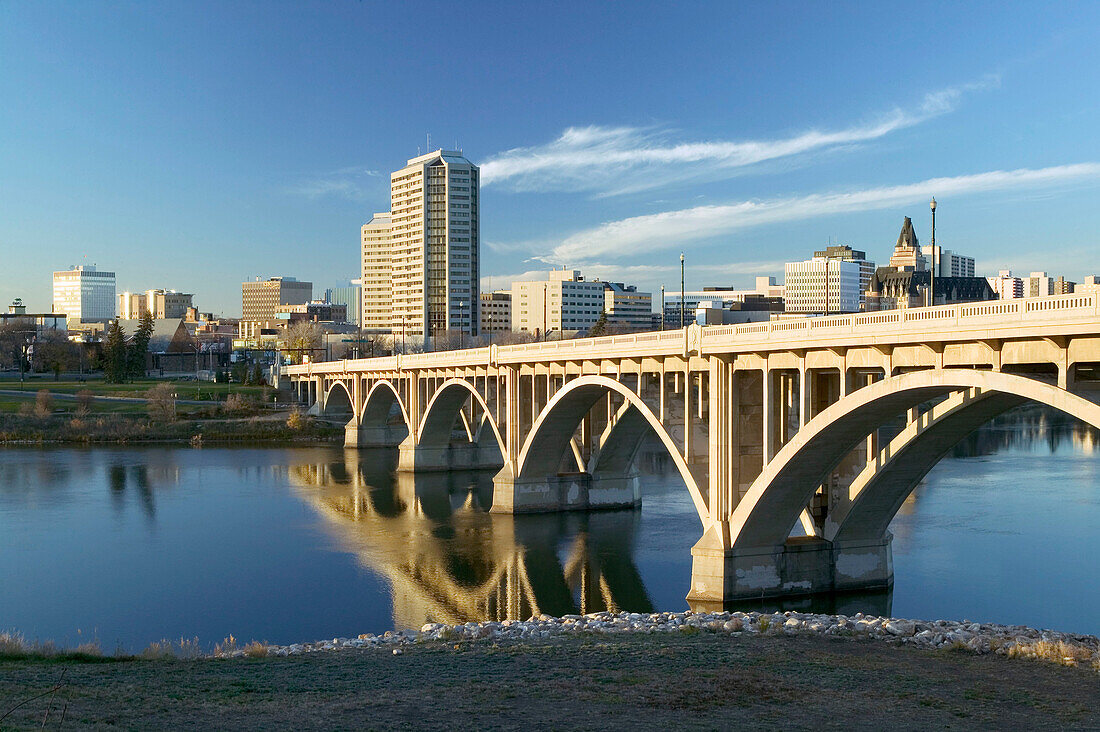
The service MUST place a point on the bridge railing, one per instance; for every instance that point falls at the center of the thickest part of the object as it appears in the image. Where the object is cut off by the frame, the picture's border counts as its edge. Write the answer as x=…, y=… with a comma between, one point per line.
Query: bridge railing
x=772, y=333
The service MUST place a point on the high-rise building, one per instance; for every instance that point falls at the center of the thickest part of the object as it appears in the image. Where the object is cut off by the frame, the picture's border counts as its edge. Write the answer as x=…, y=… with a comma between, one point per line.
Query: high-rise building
x=1005, y=286
x=948, y=263
x=626, y=307
x=496, y=311
x=1062, y=286
x=822, y=285
x=434, y=241
x=564, y=301
x=131, y=305
x=377, y=275
x=162, y=304
x=1038, y=284
x=350, y=296
x=84, y=294
x=261, y=299
x=847, y=254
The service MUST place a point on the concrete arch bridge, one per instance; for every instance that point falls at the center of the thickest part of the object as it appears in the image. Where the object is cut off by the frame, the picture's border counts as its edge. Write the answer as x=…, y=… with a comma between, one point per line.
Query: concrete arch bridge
x=816, y=426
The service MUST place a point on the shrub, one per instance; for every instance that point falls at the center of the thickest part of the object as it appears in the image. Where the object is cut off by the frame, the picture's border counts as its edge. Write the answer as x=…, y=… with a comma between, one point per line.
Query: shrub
x=83, y=402
x=226, y=647
x=161, y=403
x=43, y=404
x=295, y=421
x=256, y=649
x=237, y=404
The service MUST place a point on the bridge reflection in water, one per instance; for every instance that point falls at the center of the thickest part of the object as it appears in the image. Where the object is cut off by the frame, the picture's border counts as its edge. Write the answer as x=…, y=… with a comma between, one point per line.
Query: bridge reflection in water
x=449, y=560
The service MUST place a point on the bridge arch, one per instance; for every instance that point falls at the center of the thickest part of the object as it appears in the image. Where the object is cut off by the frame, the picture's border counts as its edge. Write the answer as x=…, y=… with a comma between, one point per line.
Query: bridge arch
x=442, y=410
x=378, y=405
x=553, y=430
x=338, y=401
x=766, y=514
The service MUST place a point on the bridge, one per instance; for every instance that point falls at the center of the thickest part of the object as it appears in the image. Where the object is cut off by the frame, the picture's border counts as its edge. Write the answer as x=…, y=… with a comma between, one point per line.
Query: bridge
x=798, y=440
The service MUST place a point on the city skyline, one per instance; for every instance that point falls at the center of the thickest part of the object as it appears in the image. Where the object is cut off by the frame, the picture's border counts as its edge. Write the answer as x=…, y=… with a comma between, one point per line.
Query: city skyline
x=187, y=158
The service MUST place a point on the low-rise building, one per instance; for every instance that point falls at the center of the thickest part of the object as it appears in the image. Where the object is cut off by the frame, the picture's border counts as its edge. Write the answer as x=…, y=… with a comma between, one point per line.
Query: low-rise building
x=261, y=298
x=496, y=312
x=626, y=308
x=726, y=296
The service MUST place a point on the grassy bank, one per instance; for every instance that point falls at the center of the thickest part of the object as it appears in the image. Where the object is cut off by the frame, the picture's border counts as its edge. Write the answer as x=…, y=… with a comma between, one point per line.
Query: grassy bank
x=694, y=681
x=126, y=428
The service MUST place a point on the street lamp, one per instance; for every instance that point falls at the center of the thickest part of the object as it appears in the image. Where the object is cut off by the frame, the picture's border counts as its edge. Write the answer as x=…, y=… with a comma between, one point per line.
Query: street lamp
x=662, y=307
x=681, y=289
x=932, y=279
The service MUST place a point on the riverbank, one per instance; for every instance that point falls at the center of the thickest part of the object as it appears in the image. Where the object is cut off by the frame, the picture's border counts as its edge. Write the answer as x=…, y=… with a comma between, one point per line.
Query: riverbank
x=695, y=679
x=122, y=429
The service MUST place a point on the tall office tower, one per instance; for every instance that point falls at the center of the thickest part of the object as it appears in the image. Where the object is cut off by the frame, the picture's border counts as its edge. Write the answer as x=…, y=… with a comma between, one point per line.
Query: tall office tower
x=84, y=294
x=821, y=285
x=350, y=296
x=261, y=299
x=435, y=241
x=377, y=275
x=847, y=254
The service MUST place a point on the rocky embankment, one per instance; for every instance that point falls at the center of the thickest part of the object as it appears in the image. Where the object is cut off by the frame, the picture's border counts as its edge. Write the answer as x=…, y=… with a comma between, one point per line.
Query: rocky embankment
x=1016, y=641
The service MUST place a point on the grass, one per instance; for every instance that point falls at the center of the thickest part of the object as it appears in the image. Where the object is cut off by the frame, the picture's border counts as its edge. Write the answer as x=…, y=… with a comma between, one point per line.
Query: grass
x=673, y=680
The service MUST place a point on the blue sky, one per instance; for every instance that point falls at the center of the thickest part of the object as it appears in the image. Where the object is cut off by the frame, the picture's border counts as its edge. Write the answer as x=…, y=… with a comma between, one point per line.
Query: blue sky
x=195, y=145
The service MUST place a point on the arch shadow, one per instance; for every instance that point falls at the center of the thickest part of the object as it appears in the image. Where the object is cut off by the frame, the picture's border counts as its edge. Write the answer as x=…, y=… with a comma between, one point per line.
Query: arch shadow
x=376, y=420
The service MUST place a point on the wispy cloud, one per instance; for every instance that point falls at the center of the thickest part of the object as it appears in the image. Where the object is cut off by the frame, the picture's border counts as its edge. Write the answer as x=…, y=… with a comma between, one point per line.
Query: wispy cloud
x=595, y=158
x=353, y=183
x=671, y=229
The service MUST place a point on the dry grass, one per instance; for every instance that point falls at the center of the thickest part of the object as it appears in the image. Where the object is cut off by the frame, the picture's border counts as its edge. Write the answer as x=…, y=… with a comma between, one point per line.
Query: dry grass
x=183, y=648
x=1059, y=652
x=83, y=402
x=256, y=649
x=227, y=646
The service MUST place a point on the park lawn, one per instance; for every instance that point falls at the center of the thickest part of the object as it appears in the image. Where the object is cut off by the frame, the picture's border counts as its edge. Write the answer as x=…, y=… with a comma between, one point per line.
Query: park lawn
x=198, y=390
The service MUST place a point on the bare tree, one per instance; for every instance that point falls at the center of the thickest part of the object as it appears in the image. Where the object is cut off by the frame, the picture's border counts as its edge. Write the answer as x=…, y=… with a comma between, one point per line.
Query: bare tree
x=302, y=338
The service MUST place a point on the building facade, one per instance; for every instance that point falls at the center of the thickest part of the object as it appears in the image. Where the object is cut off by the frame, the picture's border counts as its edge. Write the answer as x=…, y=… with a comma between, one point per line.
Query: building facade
x=627, y=308
x=716, y=297
x=260, y=299
x=821, y=285
x=435, y=240
x=907, y=256
x=84, y=293
x=564, y=302
x=847, y=254
x=377, y=275
x=496, y=312
x=948, y=263
x=1005, y=286
x=1038, y=284
x=350, y=296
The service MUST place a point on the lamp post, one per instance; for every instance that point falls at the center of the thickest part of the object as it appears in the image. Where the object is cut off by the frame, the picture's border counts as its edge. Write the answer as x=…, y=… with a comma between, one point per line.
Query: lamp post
x=662, y=307
x=681, y=289
x=932, y=279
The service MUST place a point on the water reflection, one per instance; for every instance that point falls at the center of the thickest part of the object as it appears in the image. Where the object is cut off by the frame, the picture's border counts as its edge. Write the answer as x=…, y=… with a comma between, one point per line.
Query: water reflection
x=450, y=561
x=1031, y=428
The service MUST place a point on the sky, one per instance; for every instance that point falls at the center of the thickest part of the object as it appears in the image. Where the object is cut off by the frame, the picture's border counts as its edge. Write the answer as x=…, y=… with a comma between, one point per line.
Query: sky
x=193, y=146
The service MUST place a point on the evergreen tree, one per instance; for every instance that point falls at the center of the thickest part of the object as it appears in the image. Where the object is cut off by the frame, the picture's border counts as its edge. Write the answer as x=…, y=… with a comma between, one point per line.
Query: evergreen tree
x=258, y=376
x=114, y=354
x=600, y=327
x=139, y=346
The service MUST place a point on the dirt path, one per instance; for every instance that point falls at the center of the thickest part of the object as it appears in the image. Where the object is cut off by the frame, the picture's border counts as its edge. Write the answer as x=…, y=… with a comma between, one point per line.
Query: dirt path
x=621, y=682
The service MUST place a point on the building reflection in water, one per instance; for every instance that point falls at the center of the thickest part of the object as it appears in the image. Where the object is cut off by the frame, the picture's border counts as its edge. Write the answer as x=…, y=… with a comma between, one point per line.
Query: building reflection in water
x=448, y=560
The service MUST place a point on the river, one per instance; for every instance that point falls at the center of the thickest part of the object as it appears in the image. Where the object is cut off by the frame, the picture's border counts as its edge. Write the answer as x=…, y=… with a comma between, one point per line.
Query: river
x=129, y=545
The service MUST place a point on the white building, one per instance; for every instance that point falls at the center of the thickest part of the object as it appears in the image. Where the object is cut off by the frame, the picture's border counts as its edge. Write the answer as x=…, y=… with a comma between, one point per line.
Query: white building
x=821, y=285
x=716, y=297
x=1038, y=284
x=1006, y=286
x=847, y=254
x=434, y=239
x=377, y=269
x=496, y=311
x=948, y=263
x=85, y=294
x=563, y=302
x=626, y=307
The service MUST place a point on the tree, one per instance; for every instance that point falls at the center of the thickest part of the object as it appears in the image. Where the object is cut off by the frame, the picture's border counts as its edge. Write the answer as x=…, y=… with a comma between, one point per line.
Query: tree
x=54, y=352
x=114, y=354
x=302, y=337
x=600, y=328
x=139, y=346
x=258, y=376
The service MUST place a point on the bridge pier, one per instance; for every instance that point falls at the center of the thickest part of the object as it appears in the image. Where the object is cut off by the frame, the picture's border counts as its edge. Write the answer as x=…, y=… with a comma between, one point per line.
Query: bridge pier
x=357, y=435
x=801, y=566
x=565, y=492
x=415, y=457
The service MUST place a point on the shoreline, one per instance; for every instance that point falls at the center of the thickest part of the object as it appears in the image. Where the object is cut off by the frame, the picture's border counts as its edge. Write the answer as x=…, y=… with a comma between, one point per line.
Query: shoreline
x=1077, y=650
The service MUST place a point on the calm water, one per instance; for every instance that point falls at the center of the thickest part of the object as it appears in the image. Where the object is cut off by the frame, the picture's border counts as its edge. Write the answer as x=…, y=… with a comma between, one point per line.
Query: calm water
x=131, y=545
